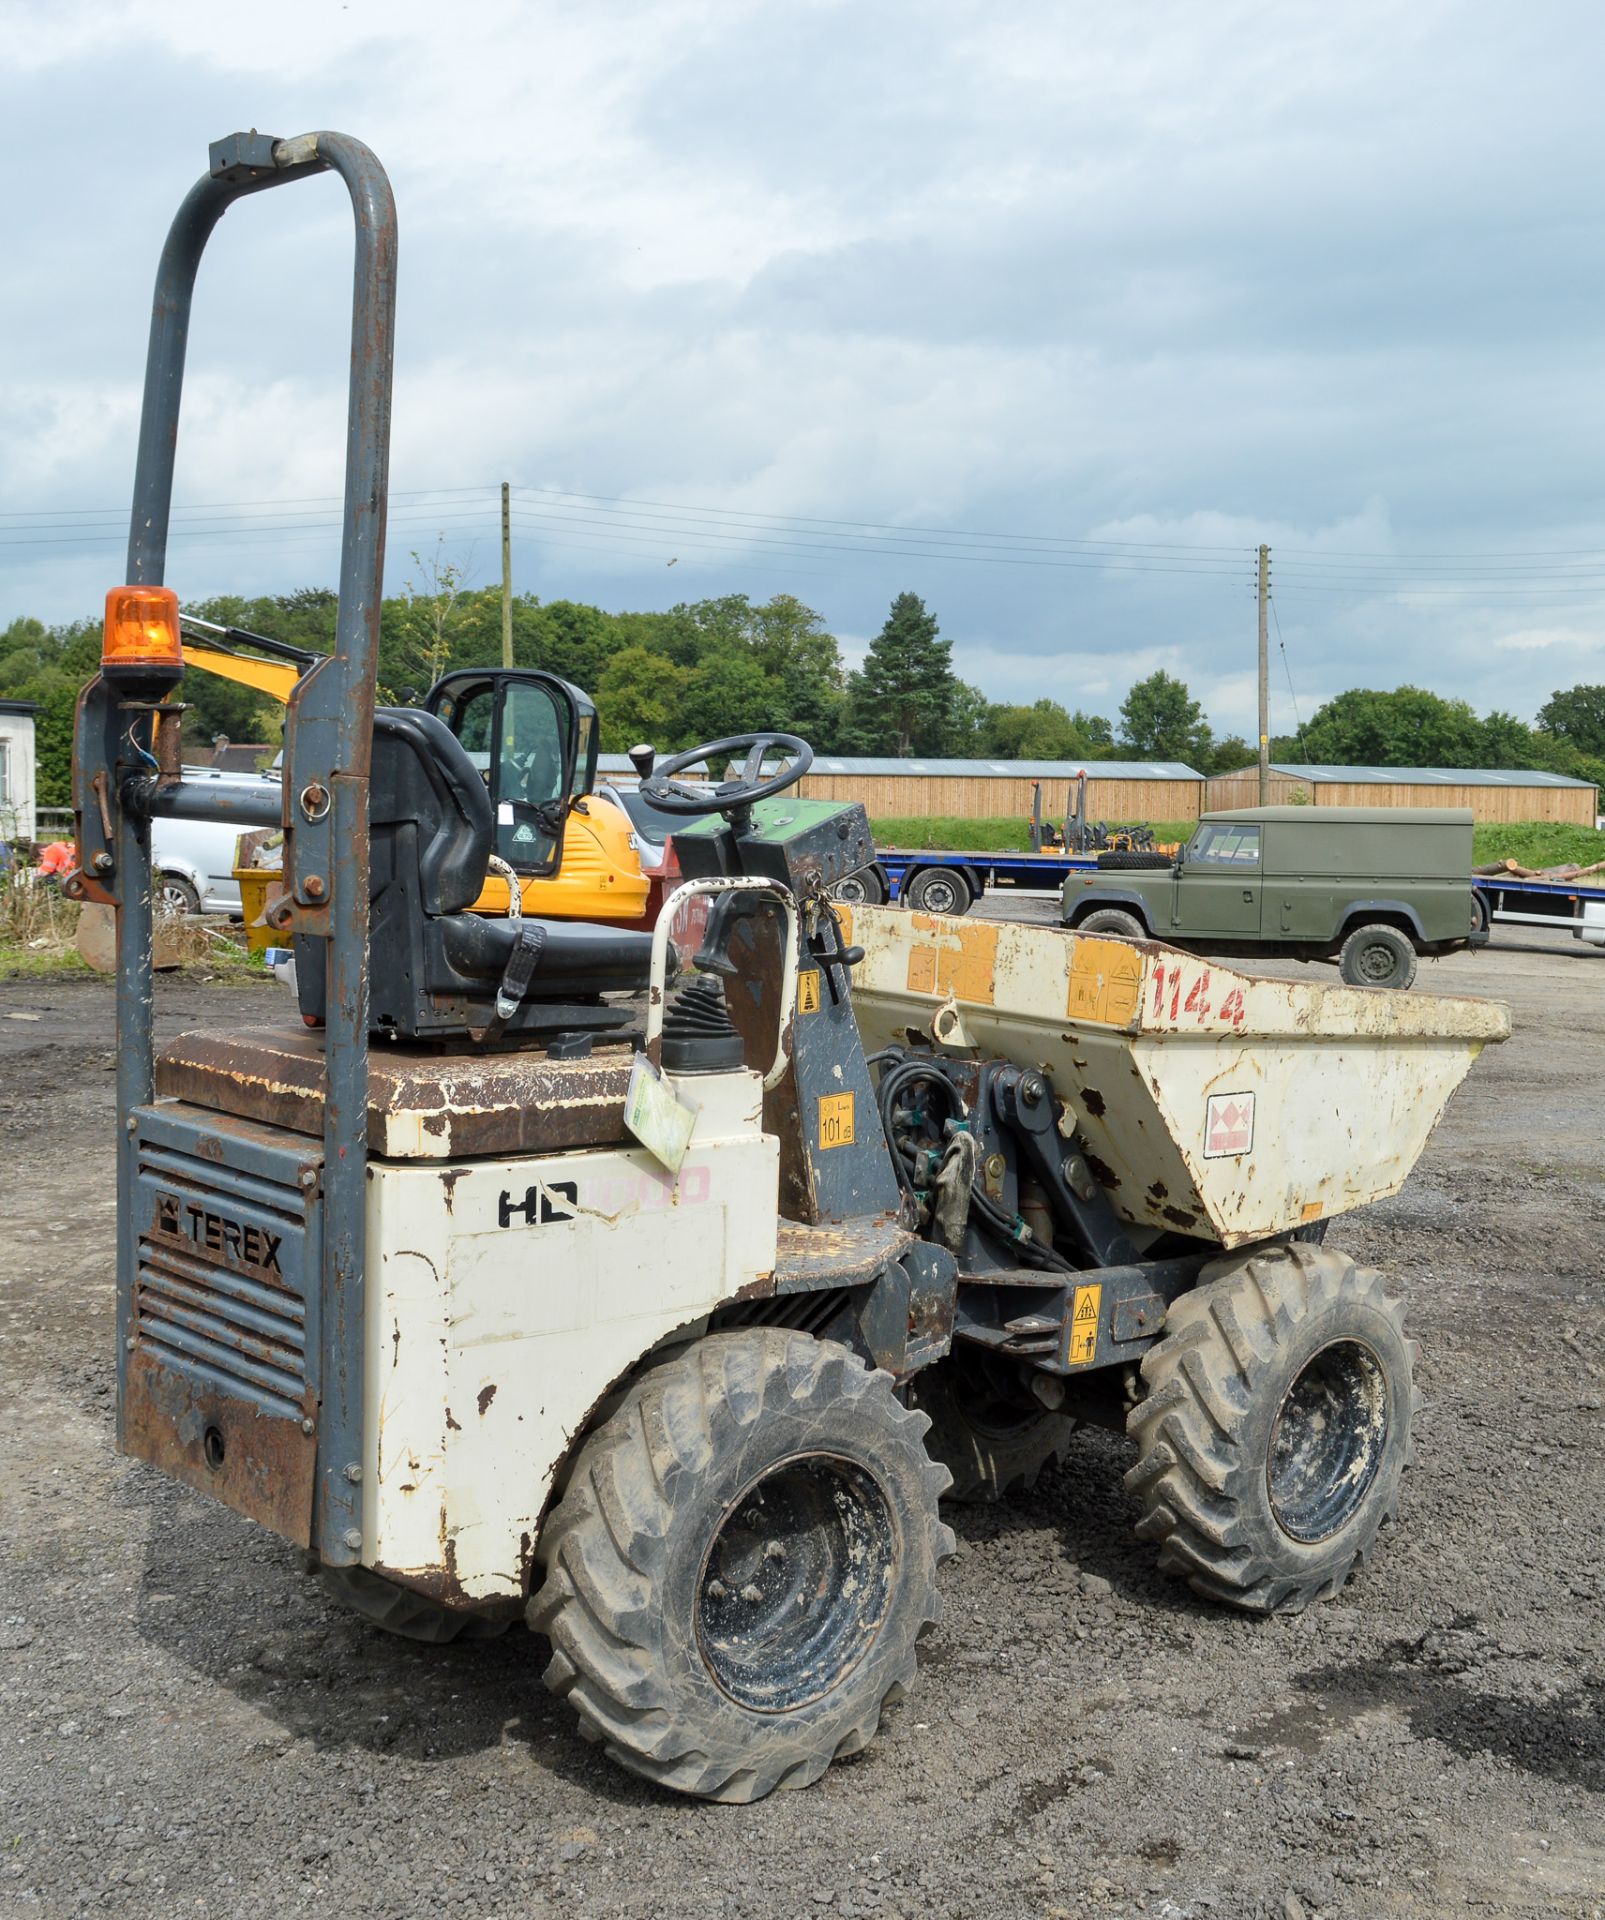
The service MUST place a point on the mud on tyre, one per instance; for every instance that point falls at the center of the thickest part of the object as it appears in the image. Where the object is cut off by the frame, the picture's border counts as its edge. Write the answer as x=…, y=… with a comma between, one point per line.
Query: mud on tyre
x=738, y=1570
x=1275, y=1428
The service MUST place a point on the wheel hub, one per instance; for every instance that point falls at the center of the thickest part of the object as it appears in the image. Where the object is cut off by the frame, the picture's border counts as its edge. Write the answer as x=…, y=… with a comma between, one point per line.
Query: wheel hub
x=796, y=1582
x=1378, y=962
x=1330, y=1434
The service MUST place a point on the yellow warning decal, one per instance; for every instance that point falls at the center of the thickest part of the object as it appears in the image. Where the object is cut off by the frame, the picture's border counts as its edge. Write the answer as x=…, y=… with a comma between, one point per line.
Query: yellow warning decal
x=963, y=964
x=1105, y=981
x=1084, y=1325
x=808, y=990
x=836, y=1120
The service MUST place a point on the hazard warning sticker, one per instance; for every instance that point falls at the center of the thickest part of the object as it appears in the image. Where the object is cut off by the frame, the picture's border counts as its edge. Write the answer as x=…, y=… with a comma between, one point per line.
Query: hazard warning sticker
x=1084, y=1325
x=808, y=990
x=1228, y=1125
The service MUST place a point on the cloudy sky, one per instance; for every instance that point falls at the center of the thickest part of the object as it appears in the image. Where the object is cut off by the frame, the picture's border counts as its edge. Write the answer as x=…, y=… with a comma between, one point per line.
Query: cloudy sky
x=1050, y=313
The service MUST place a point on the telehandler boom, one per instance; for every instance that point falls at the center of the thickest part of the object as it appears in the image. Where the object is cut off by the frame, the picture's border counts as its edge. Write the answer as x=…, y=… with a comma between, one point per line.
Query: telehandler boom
x=534, y=1274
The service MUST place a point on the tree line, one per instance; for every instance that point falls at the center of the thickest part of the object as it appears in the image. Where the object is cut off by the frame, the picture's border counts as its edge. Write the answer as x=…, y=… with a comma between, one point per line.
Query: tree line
x=708, y=668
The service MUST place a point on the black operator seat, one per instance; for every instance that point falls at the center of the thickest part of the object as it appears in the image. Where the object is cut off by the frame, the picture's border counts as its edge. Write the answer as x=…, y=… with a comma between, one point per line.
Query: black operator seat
x=434, y=965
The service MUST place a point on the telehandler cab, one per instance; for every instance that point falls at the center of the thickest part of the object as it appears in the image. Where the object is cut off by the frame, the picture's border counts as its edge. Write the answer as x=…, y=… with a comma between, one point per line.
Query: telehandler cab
x=532, y=1274
x=566, y=858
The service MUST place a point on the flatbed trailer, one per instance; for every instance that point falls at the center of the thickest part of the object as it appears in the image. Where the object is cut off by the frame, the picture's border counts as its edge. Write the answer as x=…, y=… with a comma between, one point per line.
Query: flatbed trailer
x=1518, y=901
x=942, y=881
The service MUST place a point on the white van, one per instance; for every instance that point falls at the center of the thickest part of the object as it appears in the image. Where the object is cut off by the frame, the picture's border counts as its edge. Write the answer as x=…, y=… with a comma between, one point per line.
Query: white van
x=193, y=860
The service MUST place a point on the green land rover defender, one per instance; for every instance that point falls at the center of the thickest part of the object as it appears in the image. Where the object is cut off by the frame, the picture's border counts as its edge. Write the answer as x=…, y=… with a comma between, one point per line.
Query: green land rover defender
x=1371, y=887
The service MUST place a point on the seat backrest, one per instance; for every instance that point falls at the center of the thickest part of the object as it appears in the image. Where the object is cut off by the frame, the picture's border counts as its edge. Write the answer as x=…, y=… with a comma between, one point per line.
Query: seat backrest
x=425, y=788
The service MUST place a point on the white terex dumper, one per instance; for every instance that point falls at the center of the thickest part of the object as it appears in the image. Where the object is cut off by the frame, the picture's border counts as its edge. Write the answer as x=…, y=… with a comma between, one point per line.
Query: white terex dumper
x=668, y=1330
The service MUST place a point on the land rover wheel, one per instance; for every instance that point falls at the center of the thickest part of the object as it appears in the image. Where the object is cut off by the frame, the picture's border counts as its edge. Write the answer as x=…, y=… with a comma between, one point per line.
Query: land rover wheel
x=1113, y=920
x=940, y=890
x=1275, y=1427
x=741, y=1563
x=1378, y=956
x=989, y=1431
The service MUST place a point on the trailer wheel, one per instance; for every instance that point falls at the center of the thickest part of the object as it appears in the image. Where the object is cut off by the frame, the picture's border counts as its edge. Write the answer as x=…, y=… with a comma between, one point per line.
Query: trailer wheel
x=398, y=1610
x=991, y=1435
x=939, y=890
x=741, y=1564
x=861, y=889
x=1113, y=920
x=1275, y=1428
x=1480, y=916
x=1378, y=956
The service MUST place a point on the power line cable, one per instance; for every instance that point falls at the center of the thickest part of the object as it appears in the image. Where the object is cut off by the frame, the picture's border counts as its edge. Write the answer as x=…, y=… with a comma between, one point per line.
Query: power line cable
x=1298, y=718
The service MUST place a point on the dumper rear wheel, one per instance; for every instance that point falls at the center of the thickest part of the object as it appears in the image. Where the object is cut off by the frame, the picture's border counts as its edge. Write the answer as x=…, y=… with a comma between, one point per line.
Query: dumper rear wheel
x=1275, y=1428
x=740, y=1566
x=990, y=1434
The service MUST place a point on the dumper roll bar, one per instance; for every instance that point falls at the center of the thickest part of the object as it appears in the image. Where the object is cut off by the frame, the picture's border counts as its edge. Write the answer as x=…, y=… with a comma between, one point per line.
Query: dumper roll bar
x=126, y=771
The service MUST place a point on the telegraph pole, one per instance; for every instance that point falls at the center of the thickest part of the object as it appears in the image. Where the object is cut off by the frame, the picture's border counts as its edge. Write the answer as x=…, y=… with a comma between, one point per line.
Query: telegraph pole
x=507, y=583
x=1264, y=679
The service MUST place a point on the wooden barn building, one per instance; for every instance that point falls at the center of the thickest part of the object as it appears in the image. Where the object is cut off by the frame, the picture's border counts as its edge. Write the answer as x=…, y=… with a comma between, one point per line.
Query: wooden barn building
x=1492, y=794
x=1119, y=791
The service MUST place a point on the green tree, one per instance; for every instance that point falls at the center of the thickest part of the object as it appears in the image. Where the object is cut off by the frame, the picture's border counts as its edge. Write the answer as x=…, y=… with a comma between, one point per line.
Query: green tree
x=1096, y=730
x=1160, y=720
x=726, y=692
x=1407, y=727
x=968, y=720
x=1041, y=731
x=1577, y=716
x=901, y=700
x=638, y=698
x=1226, y=755
x=427, y=622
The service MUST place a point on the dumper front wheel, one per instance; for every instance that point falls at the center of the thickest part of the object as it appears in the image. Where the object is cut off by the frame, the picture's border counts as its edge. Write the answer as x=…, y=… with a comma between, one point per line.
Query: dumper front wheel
x=741, y=1564
x=1275, y=1428
x=990, y=1434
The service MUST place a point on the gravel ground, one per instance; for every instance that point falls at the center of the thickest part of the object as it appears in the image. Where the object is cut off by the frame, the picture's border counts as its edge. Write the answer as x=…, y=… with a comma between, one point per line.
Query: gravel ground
x=190, y=1726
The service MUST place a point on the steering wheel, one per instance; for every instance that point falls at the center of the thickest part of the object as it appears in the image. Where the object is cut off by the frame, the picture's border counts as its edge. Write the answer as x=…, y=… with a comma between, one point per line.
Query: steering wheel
x=670, y=795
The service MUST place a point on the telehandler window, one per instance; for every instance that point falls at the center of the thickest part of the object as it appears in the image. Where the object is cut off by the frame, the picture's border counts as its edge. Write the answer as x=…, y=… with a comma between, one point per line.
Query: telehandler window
x=532, y=771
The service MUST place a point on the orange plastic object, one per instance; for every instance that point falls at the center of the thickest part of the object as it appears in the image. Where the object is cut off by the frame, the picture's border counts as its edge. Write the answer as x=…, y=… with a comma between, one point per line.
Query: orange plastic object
x=142, y=630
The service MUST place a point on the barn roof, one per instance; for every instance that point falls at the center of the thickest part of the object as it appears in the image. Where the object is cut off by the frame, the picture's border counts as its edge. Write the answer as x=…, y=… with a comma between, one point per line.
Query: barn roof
x=1426, y=776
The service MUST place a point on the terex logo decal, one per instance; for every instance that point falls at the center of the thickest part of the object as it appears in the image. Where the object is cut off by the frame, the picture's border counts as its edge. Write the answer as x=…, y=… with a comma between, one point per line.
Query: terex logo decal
x=252, y=1247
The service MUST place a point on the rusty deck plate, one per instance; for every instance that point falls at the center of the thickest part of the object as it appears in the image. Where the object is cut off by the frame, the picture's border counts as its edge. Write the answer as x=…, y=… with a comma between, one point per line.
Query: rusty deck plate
x=422, y=1104
x=844, y=1254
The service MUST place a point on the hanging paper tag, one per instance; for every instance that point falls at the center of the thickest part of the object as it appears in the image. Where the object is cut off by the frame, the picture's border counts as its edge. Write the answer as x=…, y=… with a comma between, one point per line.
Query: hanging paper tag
x=657, y=1115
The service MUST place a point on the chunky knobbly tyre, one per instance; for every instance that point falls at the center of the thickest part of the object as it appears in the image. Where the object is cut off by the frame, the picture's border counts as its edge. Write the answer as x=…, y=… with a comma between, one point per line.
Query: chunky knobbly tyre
x=401, y=1611
x=1126, y=860
x=1378, y=956
x=1275, y=1428
x=1113, y=920
x=741, y=1564
x=993, y=1442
